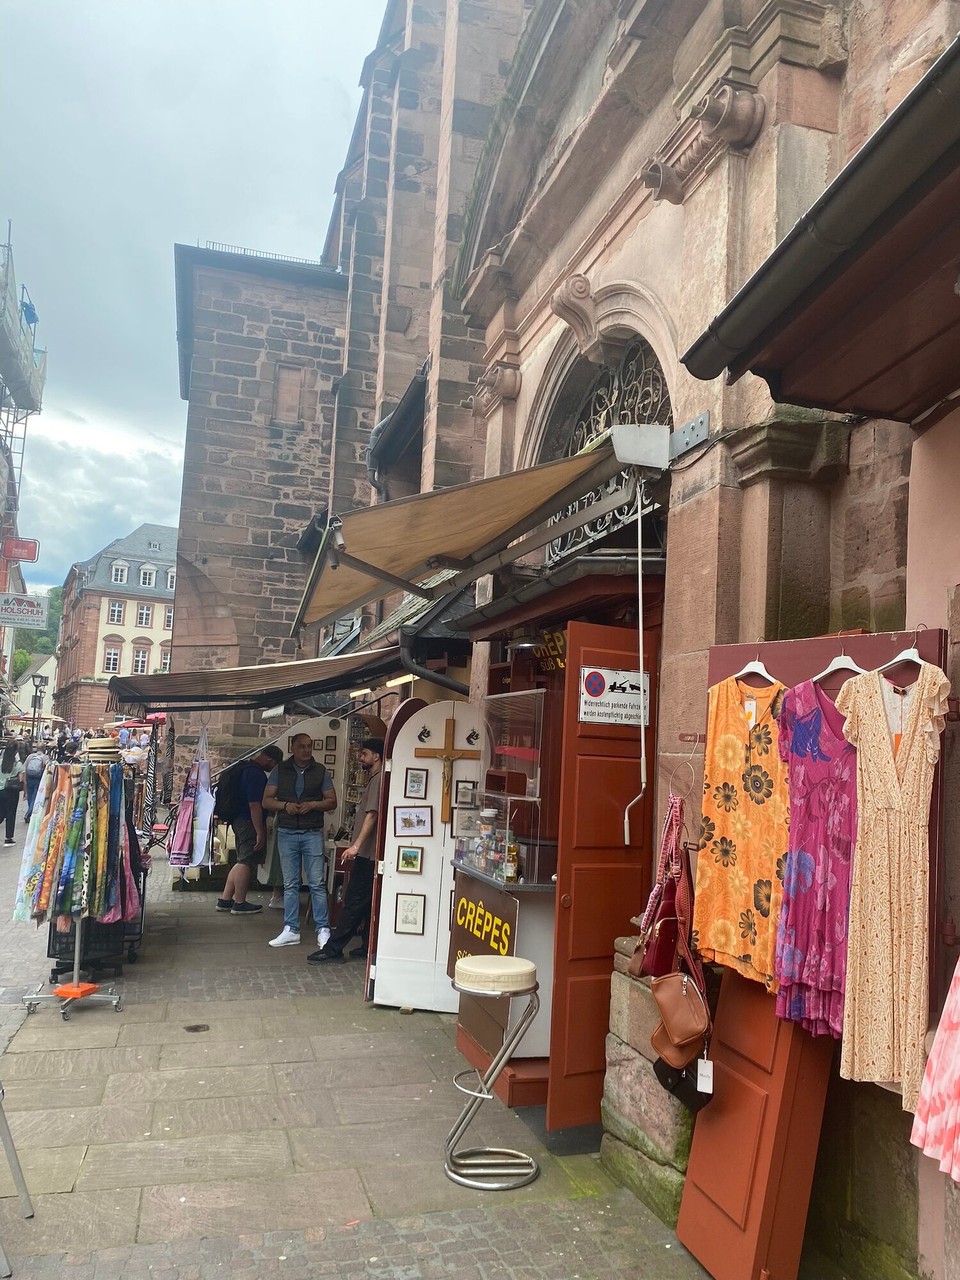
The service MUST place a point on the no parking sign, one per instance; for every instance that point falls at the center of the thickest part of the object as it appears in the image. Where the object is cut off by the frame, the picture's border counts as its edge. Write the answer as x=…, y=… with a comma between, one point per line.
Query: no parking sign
x=614, y=697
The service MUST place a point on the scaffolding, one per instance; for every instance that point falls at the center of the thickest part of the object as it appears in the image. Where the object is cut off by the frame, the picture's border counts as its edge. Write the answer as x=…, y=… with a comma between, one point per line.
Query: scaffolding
x=23, y=365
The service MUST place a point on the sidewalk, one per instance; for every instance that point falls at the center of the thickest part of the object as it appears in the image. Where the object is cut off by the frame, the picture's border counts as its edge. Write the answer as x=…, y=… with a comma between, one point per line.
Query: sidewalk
x=248, y=1115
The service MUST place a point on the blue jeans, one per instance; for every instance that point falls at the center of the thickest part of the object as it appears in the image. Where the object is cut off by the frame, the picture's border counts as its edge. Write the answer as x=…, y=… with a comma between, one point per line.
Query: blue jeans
x=302, y=861
x=33, y=786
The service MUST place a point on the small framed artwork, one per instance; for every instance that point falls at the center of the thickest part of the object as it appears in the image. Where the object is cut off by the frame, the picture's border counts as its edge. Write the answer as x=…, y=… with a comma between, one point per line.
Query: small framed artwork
x=329, y=759
x=413, y=820
x=466, y=823
x=466, y=794
x=415, y=784
x=410, y=859
x=411, y=911
x=330, y=743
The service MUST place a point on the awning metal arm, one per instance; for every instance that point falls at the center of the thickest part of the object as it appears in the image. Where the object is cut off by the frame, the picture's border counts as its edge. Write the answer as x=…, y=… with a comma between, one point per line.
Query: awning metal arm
x=372, y=571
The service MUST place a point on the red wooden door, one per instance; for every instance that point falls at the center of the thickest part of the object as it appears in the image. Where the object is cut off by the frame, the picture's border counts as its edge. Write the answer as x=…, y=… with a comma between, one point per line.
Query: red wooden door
x=600, y=881
x=747, y=1189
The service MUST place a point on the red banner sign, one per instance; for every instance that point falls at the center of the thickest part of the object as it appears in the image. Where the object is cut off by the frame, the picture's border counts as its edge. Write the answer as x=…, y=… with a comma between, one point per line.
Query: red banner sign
x=21, y=549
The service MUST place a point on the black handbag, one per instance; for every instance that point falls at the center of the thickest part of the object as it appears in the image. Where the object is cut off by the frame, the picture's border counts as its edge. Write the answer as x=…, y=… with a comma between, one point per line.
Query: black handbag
x=682, y=1084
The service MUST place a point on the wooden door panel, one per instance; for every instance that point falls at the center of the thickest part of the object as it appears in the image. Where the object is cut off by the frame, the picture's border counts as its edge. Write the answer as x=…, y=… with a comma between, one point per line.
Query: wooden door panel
x=606, y=779
x=600, y=880
x=589, y=1015
x=593, y=925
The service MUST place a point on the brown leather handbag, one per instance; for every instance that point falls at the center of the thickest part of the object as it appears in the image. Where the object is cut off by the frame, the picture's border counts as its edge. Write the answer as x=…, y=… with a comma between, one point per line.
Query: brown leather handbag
x=685, y=1019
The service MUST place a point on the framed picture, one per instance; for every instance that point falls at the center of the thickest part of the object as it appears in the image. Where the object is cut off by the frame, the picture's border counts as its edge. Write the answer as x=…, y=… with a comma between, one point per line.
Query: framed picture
x=410, y=859
x=415, y=784
x=413, y=820
x=466, y=794
x=330, y=743
x=411, y=910
x=466, y=823
x=329, y=760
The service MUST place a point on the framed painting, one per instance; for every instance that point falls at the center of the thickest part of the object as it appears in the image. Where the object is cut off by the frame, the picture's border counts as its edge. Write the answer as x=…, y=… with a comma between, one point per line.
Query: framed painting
x=411, y=913
x=415, y=784
x=413, y=820
x=410, y=859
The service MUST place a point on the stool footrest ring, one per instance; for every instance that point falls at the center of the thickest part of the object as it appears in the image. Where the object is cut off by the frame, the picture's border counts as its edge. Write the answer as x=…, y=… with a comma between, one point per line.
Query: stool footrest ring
x=481, y=1092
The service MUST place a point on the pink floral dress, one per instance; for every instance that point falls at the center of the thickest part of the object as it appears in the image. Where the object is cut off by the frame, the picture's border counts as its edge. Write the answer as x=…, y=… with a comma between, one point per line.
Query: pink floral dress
x=936, y=1126
x=811, y=957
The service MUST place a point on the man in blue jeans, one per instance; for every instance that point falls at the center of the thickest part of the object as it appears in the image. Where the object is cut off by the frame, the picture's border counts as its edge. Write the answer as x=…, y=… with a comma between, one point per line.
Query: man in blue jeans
x=299, y=791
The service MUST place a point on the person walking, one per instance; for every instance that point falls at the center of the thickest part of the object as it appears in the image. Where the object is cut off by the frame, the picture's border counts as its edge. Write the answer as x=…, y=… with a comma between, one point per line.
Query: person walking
x=33, y=768
x=300, y=792
x=11, y=784
x=362, y=853
x=249, y=827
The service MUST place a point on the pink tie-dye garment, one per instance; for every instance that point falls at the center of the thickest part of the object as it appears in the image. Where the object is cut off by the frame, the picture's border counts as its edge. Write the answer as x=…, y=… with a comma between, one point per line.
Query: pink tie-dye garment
x=936, y=1126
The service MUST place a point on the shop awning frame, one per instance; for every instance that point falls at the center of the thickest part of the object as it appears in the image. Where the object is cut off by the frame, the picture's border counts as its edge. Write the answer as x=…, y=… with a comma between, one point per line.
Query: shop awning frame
x=851, y=312
x=473, y=529
x=239, y=688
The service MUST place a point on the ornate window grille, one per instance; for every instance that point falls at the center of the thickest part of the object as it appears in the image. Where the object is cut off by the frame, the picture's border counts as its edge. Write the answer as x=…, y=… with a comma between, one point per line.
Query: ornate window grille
x=634, y=392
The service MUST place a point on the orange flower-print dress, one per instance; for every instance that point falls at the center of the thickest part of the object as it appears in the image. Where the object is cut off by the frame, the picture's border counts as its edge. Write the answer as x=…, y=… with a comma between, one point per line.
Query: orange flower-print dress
x=743, y=831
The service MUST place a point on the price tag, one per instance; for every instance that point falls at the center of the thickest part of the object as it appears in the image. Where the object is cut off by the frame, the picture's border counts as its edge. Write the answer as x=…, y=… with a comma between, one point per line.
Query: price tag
x=750, y=708
x=704, y=1075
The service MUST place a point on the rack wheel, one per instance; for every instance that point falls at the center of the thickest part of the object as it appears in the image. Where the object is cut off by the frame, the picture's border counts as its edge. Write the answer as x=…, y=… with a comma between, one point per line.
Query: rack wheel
x=132, y=956
x=54, y=977
x=65, y=1014
x=31, y=1008
x=119, y=1005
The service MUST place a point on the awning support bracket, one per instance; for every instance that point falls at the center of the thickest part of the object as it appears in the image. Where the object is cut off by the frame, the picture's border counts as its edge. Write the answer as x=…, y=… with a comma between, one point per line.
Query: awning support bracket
x=371, y=571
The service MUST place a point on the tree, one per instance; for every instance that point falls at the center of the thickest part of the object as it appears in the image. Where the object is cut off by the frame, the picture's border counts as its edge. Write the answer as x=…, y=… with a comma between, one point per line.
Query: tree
x=43, y=641
x=21, y=660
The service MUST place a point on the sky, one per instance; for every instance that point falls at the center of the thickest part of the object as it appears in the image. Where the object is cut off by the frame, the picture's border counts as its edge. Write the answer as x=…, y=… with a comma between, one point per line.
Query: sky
x=126, y=126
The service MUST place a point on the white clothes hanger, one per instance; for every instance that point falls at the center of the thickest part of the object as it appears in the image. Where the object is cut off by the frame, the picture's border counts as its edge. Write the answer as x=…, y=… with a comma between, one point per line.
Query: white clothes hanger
x=905, y=655
x=755, y=668
x=842, y=662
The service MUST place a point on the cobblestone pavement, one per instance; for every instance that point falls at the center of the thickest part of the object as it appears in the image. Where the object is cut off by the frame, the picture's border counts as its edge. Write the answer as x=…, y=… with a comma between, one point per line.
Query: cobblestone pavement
x=246, y=1114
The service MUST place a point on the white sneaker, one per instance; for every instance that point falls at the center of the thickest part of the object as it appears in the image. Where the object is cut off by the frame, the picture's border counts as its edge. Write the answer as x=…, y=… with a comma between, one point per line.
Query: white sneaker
x=275, y=906
x=286, y=938
x=323, y=937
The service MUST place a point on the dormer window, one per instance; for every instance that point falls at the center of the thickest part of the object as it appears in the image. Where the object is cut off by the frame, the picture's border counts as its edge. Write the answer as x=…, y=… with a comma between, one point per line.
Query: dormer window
x=148, y=575
x=153, y=546
x=118, y=573
x=171, y=579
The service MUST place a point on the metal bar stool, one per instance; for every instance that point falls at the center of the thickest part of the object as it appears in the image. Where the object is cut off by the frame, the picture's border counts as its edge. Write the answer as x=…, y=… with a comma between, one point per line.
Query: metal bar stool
x=491, y=1168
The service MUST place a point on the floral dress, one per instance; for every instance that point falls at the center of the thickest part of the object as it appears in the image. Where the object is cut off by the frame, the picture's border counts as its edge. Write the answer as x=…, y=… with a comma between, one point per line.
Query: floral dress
x=811, y=963
x=885, y=1013
x=743, y=831
x=936, y=1127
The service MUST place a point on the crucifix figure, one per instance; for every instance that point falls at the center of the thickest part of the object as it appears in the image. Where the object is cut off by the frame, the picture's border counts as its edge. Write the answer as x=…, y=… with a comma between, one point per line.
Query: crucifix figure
x=448, y=755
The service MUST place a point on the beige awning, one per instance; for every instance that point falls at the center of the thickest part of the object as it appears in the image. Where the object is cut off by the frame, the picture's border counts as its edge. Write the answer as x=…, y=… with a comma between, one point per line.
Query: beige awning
x=370, y=552
x=263, y=686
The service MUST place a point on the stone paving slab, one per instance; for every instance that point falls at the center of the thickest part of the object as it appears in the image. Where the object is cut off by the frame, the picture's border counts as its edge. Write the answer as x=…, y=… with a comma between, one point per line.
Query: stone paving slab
x=175, y=1057
x=259, y=1154
x=396, y=1102
x=87, y=1220
x=40, y=1031
x=224, y=1082
x=359, y=1074
x=179, y=1212
x=47, y=1170
x=62, y=1064
x=39, y=1095
x=233, y=1031
x=338, y=1146
x=228, y=1115
x=65, y=1125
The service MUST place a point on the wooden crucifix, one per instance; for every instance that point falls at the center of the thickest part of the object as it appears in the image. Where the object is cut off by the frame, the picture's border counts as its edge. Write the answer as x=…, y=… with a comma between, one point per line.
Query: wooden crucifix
x=448, y=755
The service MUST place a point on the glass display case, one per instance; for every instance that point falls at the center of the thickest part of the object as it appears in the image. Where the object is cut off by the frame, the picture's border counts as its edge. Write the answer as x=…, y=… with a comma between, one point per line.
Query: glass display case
x=502, y=837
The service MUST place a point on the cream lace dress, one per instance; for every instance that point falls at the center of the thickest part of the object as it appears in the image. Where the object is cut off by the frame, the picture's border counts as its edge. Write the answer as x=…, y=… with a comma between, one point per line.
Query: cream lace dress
x=885, y=1015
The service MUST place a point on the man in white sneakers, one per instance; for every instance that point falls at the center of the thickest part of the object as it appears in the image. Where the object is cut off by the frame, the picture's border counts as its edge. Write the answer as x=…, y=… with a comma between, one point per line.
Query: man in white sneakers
x=299, y=791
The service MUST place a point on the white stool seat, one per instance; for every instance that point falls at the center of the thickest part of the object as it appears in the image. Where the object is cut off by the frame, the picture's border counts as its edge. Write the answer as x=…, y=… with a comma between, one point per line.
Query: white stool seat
x=503, y=975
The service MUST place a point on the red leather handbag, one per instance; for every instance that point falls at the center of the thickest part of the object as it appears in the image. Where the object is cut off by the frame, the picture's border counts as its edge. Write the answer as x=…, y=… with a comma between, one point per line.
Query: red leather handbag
x=655, y=954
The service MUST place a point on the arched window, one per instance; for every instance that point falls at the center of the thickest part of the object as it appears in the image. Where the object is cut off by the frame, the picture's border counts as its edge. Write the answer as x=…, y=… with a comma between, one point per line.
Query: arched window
x=633, y=392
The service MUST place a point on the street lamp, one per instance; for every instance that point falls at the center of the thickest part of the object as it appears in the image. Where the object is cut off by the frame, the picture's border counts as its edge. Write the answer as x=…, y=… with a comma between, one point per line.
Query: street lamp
x=39, y=684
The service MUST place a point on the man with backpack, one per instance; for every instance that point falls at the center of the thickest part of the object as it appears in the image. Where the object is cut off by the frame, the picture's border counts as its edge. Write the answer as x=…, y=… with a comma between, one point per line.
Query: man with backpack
x=239, y=801
x=33, y=768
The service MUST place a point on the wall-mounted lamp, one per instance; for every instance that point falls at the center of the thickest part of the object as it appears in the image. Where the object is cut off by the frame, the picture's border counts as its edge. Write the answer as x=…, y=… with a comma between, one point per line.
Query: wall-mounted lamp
x=406, y=679
x=358, y=693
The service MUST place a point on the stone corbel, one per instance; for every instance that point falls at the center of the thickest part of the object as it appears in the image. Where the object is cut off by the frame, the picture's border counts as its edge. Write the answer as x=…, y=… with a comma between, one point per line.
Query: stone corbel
x=576, y=306
x=804, y=449
x=501, y=381
x=663, y=180
x=733, y=116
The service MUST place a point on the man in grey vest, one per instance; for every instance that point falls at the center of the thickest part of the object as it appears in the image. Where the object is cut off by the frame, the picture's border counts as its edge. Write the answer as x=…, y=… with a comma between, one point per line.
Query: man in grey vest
x=299, y=791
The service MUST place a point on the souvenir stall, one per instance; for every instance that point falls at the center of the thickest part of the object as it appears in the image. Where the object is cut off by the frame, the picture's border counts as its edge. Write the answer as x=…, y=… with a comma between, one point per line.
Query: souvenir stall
x=818, y=896
x=81, y=874
x=433, y=782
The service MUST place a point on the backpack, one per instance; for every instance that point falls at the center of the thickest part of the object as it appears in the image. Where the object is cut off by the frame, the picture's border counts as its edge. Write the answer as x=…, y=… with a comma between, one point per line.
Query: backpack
x=228, y=797
x=34, y=765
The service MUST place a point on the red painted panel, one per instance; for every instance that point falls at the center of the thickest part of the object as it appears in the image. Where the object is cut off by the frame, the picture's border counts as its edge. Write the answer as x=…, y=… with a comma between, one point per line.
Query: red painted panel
x=600, y=880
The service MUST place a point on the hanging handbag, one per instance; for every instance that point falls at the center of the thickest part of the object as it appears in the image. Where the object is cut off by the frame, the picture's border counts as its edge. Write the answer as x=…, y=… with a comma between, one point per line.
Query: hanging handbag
x=655, y=953
x=682, y=1084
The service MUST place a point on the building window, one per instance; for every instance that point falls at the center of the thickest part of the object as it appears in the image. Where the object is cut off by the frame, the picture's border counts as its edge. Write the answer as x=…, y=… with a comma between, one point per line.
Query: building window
x=119, y=574
x=144, y=615
x=111, y=659
x=153, y=546
x=140, y=659
x=148, y=577
x=116, y=611
x=171, y=579
x=164, y=660
x=168, y=618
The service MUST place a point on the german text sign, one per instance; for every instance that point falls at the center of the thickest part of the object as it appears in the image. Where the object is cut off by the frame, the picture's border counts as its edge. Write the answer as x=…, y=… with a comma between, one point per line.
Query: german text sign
x=23, y=611
x=614, y=697
x=21, y=549
x=484, y=921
